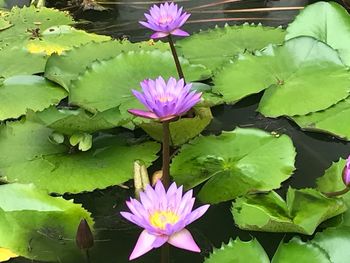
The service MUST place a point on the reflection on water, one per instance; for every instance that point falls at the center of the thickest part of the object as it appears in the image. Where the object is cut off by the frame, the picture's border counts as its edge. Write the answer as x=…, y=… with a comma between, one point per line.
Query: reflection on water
x=315, y=152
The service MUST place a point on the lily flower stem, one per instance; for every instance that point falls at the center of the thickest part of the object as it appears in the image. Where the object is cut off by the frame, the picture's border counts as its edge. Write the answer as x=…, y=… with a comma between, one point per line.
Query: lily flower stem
x=334, y=194
x=176, y=58
x=166, y=154
x=165, y=254
x=87, y=256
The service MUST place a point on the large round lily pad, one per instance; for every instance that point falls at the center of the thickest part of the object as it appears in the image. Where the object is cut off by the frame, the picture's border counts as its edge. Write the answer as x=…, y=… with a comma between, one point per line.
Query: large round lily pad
x=38, y=226
x=235, y=162
x=302, y=65
x=20, y=93
x=326, y=21
x=29, y=157
x=217, y=46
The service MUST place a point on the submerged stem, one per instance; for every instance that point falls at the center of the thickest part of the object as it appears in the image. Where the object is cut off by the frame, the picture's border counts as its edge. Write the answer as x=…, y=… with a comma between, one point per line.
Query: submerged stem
x=166, y=154
x=176, y=58
x=87, y=256
x=333, y=194
x=165, y=254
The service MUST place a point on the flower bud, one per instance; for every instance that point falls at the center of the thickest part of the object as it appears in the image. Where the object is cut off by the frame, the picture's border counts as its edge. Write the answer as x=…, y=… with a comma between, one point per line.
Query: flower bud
x=84, y=238
x=346, y=173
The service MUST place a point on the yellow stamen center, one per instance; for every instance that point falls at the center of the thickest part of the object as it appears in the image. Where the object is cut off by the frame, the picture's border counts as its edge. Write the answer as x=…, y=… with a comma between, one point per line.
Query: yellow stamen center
x=160, y=219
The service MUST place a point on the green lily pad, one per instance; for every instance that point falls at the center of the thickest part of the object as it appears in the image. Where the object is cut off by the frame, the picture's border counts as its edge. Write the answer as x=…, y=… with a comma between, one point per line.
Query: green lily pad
x=67, y=67
x=19, y=93
x=286, y=72
x=236, y=162
x=335, y=242
x=326, y=21
x=38, y=226
x=27, y=19
x=108, y=84
x=238, y=251
x=57, y=39
x=29, y=157
x=333, y=120
x=4, y=24
x=70, y=121
x=332, y=181
x=181, y=130
x=299, y=251
x=214, y=47
x=302, y=212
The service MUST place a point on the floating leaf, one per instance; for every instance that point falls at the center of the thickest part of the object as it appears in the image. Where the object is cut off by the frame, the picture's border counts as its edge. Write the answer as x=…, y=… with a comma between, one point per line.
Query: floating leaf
x=29, y=157
x=214, y=47
x=299, y=251
x=326, y=21
x=6, y=254
x=107, y=84
x=67, y=67
x=238, y=251
x=181, y=130
x=70, y=121
x=332, y=181
x=286, y=72
x=20, y=93
x=4, y=24
x=235, y=162
x=302, y=212
x=333, y=120
x=38, y=226
x=27, y=19
x=335, y=242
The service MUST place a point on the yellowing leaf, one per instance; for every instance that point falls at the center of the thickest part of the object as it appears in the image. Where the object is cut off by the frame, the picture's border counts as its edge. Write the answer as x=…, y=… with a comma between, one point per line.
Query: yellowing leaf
x=47, y=48
x=6, y=254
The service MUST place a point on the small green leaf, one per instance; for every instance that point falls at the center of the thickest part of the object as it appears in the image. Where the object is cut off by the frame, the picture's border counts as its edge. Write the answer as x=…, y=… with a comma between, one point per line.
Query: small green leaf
x=215, y=47
x=181, y=130
x=326, y=21
x=299, y=251
x=235, y=162
x=303, y=211
x=333, y=120
x=20, y=93
x=83, y=140
x=238, y=251
x=38, y=226
x=286, y=72
x=56, y=137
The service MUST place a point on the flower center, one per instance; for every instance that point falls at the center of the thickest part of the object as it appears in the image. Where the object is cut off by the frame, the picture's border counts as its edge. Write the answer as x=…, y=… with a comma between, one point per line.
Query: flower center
x=165, y=20
x=165, y=98
x=160, y=219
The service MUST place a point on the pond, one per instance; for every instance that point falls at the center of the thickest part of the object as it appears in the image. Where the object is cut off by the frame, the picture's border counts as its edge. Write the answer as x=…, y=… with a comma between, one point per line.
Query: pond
x=315, y=151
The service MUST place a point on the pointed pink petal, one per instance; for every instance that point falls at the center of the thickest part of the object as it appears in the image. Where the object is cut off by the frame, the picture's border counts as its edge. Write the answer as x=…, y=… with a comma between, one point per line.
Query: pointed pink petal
x=160, y=35
x=183, y=239
x=197, y=213
x=144, y=114
x=143, y=245
x=179, y=32
x=160, y=241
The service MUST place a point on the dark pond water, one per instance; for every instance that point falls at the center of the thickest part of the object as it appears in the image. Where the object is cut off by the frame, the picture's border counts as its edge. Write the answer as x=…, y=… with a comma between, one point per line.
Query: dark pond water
x=315, y=152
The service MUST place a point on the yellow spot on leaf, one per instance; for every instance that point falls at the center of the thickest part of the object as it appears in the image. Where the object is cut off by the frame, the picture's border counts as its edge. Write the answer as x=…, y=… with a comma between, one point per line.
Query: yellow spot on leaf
x=6, y=254
x=47, y=48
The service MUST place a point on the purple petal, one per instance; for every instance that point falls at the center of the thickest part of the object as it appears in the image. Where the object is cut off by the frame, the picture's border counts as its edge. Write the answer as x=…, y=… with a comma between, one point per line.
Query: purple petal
x=143, y=245
x=197, y=214
x=159, y=35
x=179, y=32
x=144, y=114
x=160, y=241
x=184, y=240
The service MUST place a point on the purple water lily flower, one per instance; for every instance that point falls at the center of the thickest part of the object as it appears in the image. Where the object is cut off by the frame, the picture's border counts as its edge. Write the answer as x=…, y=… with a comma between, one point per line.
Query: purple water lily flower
x=164, y=216
x=165, y=101
x=346, y=172
x=165, y=20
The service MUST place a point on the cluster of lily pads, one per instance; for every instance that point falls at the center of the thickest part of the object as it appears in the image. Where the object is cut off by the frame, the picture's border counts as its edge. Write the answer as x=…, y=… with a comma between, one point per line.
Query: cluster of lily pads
x=65, y=127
